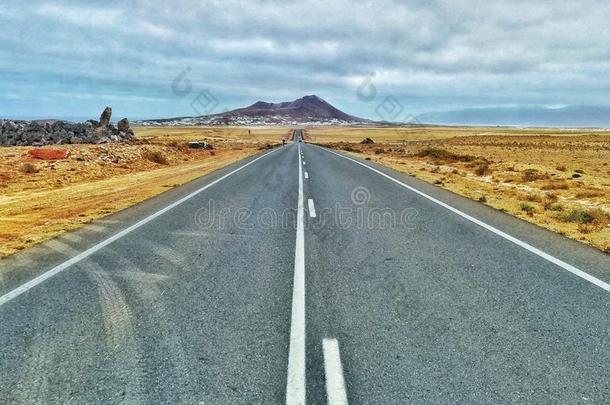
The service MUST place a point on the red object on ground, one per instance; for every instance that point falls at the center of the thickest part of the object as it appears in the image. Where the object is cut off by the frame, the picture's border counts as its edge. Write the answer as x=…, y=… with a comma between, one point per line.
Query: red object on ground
x=49, y=154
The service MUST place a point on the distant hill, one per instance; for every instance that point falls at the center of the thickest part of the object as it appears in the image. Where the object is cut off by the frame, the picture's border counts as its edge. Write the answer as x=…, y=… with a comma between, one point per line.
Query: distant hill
x=571, y=116
x=306, y=110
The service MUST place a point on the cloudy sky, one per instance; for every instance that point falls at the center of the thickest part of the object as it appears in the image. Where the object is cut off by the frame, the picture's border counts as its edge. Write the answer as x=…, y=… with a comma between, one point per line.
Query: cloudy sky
x=154, y=58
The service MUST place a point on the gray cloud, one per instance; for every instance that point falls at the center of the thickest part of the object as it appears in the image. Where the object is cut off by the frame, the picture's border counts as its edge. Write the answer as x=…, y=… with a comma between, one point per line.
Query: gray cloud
x=68, y=58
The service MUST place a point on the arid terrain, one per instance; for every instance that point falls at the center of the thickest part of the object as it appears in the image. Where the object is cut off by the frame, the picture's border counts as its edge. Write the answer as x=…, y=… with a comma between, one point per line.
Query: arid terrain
x=558, y=179
x=40, y=199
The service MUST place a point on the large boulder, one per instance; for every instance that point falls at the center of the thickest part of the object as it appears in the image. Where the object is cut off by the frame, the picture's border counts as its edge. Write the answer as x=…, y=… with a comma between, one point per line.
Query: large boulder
x=125, y=131
x=123, y=125
x=105, y=117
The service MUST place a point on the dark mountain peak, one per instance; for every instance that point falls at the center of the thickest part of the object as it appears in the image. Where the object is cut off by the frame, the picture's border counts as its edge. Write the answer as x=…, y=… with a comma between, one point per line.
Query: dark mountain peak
x=312, y=99
x=307, y=108
x=261, y=104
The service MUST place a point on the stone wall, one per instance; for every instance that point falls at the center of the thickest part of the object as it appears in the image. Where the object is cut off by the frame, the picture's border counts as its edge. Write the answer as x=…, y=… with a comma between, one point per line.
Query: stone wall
x=38, y=133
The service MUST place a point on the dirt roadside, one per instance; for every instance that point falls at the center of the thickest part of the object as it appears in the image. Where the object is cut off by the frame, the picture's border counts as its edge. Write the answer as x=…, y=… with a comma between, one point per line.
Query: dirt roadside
x=40, y=199
x=561, y=183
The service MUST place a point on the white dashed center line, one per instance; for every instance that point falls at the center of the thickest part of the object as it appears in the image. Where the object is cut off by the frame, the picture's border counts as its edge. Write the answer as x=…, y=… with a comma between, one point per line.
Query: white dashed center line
x=335, y=383
x=312, y=208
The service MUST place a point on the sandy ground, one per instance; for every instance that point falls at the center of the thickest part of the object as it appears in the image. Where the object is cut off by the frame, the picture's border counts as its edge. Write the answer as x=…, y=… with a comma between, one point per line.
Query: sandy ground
x=40, y=199
x=557, y=179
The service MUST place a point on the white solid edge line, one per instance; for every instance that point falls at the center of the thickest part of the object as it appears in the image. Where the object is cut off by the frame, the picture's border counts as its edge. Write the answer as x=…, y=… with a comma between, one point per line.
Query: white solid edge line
x=312, y=208
x=59, y=268
x=306, y=175
x=536, y=251
x=335, y=383
x=295, y=382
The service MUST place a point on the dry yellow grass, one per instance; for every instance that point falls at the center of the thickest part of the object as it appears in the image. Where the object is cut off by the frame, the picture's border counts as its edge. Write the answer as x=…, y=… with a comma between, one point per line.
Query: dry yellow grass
x=420, y=133
x=41, y=199
x=558, y=179
x=217, y=135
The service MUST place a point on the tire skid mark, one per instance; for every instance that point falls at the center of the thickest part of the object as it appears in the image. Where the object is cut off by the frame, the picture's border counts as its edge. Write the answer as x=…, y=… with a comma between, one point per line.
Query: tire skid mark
x=95, y=228
x=34, y=375
x=72, y=237
x=148, y=288
x=61, y=247
x=120, y=337
x=165, y=252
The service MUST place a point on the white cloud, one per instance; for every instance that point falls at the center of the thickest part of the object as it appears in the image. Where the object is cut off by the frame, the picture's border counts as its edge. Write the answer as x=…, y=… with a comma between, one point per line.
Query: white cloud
x=81, y=16
x=429, y=53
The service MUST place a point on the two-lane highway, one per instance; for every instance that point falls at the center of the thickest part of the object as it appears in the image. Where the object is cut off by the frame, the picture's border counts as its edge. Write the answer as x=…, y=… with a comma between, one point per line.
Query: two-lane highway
x=304, y=276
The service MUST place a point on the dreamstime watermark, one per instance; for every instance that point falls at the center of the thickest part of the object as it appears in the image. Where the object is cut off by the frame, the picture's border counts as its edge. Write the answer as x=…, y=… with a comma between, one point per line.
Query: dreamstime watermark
x=360, y=212
x=205, y=103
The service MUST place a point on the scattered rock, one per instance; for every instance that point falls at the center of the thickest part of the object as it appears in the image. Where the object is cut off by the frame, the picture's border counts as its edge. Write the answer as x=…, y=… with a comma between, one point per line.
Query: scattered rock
x=367, y=141
x=39, y=133
x=200, y=145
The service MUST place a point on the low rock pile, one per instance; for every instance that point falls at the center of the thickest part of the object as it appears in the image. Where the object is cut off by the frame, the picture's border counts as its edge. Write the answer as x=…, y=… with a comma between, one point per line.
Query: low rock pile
x=39, y=133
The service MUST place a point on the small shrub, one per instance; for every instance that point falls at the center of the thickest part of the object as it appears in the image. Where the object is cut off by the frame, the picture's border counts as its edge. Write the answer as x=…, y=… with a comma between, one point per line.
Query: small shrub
x=527, y=208
x=443, y=155
x=593, y=216
x=29, y=168
x=561, y=168
x=482, y=169
x=549, y=206
x=590, y=194
x=482, y=199
x=551, y=197
x=586, y=228
x=533, y=197
x=555, y=185
x=156, y=157
x=532, y=175
x=379, y=151
x=436, y=169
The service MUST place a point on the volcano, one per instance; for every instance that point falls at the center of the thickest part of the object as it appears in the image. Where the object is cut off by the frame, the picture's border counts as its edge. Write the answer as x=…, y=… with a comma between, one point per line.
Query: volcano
x=311, y=110
x=306, y=108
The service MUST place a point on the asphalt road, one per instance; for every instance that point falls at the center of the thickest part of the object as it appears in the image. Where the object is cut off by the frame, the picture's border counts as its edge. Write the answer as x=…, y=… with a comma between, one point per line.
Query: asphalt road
x=229, y=290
